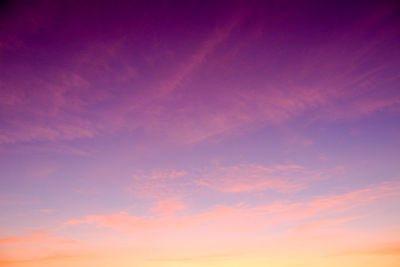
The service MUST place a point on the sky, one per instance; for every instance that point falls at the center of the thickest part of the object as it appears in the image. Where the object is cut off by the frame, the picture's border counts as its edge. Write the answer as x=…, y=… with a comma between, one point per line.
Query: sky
x=200, y=133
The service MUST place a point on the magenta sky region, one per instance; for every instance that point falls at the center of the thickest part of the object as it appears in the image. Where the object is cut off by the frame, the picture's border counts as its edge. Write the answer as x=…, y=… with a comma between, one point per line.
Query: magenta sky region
x=199, y=133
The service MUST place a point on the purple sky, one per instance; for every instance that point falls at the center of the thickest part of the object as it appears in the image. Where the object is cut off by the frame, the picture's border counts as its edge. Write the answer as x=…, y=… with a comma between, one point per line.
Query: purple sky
x=157, y=128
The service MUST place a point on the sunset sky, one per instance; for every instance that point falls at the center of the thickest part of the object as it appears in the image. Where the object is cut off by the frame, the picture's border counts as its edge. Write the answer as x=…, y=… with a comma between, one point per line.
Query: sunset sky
x=200, y=133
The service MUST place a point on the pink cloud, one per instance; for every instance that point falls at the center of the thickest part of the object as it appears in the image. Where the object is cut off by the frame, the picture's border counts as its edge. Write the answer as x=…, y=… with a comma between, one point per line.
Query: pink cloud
x=47, y=211
x=161, y=222
x=169, y=206
x=158, y=184
x=120, y=221
x=368, y=106
x=334, y=95
x=186, y=69
x=241, y=178
x=169, y=183
x=331, y=204
x=252, y=177
x=322, y=224
x=247, y=216
x=50, y=114
x=39, y=237
x=159, y=175
x=332, y=81
x=236, y=111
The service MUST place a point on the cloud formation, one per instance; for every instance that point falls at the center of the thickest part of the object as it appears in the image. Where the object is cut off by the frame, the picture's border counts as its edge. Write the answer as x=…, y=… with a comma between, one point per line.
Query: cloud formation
x=254, y=217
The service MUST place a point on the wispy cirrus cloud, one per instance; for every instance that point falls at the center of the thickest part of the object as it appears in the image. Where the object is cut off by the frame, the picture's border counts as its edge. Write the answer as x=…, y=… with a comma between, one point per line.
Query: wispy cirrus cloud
x=186, y=69
x=251, y=216
x=252, y=177
x=168, y=174
x=159, y=184
x=100, y=90
x=244, y=178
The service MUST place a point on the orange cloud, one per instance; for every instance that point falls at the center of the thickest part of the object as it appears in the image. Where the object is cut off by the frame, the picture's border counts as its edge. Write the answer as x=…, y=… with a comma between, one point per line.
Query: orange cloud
x=390, y=249
x=52, y=259
x=382, y=249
